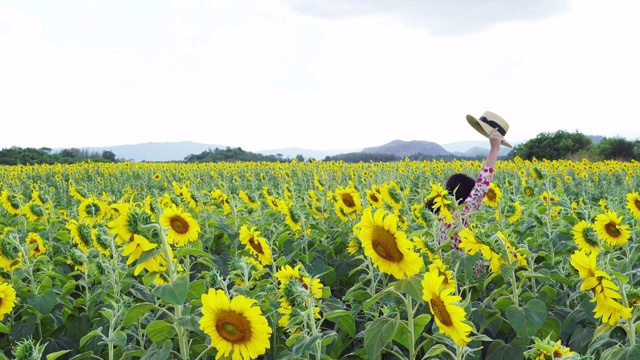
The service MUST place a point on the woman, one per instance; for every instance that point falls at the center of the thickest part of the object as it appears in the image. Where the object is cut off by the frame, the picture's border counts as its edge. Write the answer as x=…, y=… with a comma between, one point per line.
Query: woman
x=469, y=192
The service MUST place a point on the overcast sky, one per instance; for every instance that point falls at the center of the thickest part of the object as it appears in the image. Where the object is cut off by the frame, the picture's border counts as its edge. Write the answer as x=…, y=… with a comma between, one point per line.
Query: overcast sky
x=315, y=74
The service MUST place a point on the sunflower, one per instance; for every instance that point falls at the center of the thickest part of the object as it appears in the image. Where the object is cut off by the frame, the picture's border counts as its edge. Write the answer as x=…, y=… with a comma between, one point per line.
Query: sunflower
x=7, y=299
x=374, y=196
x=514, y=211
x=287, y=273
x=256, y=244
x=348, y=199
x=449, y=316
x=609, y=310
x=34, y=210
x=585, y=237
x=249, y=200
x=388, y=248
x=34, y=238
x=353, y=247
x=493, y=196
x=11, y=202
x=181, y=226
x=236, y=326
x=609, y=229
x=92, y=209
x=135, y=247
x=528, y=191
x=392, y=195
x=101, y=240
x=448, y=281
x=292, y=217
x=471, y=245
x=80, y=234
x=633, y=204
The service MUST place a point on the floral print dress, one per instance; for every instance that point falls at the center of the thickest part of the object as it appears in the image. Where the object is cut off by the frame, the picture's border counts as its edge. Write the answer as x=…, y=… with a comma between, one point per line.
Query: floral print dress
x=471, y=204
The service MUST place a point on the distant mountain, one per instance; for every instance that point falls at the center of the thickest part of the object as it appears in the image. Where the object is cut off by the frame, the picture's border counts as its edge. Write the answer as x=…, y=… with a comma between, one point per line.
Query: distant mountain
x=408, y=148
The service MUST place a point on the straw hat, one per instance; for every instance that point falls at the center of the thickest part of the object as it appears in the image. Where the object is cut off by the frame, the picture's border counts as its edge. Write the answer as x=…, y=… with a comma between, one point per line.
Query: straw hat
x=487, y=122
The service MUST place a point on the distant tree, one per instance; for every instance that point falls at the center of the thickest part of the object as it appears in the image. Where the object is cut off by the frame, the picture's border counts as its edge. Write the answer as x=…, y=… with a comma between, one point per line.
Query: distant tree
x=357, y=157
x=299, y=158
x=616, y=148
x=554, y=146
x=109, y=155
x=229, y=154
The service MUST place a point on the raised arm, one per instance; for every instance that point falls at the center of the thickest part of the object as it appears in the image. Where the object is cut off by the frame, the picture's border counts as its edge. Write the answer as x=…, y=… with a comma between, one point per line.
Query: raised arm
x=495, y=139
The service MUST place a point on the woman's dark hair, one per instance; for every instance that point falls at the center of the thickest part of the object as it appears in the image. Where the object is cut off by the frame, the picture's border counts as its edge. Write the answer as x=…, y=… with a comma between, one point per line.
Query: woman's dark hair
x=459, y=185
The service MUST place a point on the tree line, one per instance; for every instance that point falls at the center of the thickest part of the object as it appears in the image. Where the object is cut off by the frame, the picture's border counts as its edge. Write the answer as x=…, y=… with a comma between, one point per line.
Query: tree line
x=549, y=145
x=31, y=156
x=576, y=146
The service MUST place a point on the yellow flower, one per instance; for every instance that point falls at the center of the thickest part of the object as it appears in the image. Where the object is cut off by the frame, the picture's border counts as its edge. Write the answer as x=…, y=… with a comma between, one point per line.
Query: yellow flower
x=11, y=202
x=389, y=249
x=7, y=299
x=585, y=237
x=493, y=196
x=181, y=226
x=34, y=238
x=92, y=209
x=237, y=327
x=471, y=245
x=609, y=229
x=348, y=199
x=256, y=244
x=136, y=247
x=633, y=204
x=449, y=316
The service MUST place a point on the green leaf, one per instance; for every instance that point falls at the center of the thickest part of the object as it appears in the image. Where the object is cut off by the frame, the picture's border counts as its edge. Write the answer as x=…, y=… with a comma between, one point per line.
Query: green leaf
x=190, y=251
x=551, y=328
x=434, y=351
x=174, y=293
x=196, y=289
x=304, y=346
x=43, y=303
x=631, y=353
x=378, y=334
x=411, y=286
x=148, y=255
x=160, y=330
x=514, y=350
x=57, y=354
x=372, y=300
x=527, y=320
x=345, y=321
x=86, y=338
x=4, y=329
x=154, y=353
x=136, y=311
x=402, y=334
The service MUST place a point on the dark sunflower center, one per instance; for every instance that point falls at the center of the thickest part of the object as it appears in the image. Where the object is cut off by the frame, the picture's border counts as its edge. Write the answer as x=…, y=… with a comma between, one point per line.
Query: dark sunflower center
x=491, y=195
x=256, y=245
x=440, y=311
x=612, y=229
x=347, y=200
x=233, y=327
x=179, y=225
x=637, y=204
x=373, y=198
x=384, y=244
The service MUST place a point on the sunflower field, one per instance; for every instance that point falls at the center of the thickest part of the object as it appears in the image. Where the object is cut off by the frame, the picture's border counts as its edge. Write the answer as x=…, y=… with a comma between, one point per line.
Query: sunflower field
x=317, y=260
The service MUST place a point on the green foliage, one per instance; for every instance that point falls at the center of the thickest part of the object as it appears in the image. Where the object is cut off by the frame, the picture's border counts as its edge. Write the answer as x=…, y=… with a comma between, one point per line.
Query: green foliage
x=616, y=148
x=357, y=157
x=32, y=156
x=554, y=146
x=231, y=155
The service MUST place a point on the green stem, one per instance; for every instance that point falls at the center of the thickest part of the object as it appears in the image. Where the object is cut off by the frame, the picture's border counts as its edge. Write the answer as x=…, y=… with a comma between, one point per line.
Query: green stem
x=515, y=288
x=181, y=332
x=412, y=348
x=312, y=324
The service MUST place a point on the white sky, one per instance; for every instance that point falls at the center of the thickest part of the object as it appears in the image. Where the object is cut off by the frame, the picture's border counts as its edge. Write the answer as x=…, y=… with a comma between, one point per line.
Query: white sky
x=330, y=74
